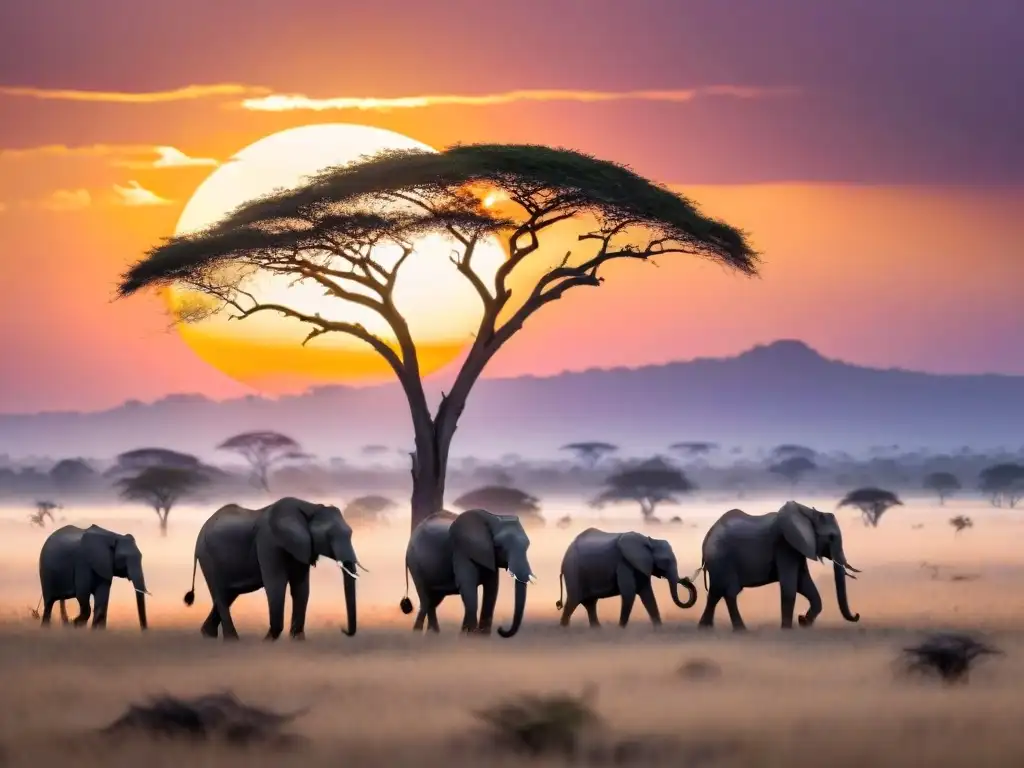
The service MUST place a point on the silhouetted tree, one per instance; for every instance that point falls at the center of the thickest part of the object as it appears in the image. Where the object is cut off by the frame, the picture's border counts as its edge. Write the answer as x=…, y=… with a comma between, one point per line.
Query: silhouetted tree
x=944, y=484
x=44, y=512
x=1004, y=483
x=791, y=450
x=71, y=474
x=693, y=449
x=161, y=488
x=135, y=461
x=589, y=453
x=264, y=450
x=648, y=484
x=368, y=509
x=375, y=449
x=872, y=503
x=325, y=230
x=501, y=500
x=960, y=522
x=793, y=468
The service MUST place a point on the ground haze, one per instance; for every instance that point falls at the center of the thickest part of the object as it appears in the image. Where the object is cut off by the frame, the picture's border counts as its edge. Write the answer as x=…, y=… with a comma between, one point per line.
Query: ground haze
x=389, y=697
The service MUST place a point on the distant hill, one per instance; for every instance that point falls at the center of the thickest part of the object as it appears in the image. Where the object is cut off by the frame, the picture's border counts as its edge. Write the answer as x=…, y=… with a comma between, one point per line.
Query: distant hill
x=784, y=392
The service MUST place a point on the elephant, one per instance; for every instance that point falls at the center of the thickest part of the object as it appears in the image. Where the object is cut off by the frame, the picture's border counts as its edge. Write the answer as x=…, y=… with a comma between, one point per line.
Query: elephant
x=81, y=563
x=742, y=550
x=456, y=555
x=242, y=550
x=598, y=564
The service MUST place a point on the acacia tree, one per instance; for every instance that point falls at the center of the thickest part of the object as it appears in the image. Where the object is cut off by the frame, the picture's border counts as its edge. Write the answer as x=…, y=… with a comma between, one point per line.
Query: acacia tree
x=368, y=509
x=44, y=511
x=943, y=484
x=502, y=500
x=590, y=452
x=264, y=450
x=793, y=468
x=326, y=230
x=872, y=503
x=648, y=484
x=1004, y=483
x=161, y=488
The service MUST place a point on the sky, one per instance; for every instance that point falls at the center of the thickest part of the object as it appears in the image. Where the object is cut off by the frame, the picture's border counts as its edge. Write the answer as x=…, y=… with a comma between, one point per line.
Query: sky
x=871, y=148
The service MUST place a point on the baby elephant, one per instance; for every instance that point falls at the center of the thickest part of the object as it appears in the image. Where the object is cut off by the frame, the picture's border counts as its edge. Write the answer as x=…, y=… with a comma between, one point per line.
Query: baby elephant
x=599, y=564
x=81, y=563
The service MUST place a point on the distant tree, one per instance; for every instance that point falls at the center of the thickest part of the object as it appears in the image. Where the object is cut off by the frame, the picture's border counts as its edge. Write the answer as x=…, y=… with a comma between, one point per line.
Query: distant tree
x=872, y=503
x=960, y=522
x=264, y=450
x=1004, y=484
x=161, y=488
x=501, y=500
x=648, y=484
x=793, y=468
x=589, y=453
x=944, y=484
x=368, y=509
x=375, y=449
x=132, y=462
x=791, y=450
x=693, y=449
x=70, y=474
x=44, y=511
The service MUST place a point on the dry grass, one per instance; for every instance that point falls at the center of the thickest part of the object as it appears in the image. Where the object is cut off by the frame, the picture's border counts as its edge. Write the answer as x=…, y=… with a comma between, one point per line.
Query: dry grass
x=671, y=697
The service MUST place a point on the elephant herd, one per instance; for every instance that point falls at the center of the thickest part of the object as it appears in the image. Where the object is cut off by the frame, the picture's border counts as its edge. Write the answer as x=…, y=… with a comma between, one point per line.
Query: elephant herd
x=243, y=550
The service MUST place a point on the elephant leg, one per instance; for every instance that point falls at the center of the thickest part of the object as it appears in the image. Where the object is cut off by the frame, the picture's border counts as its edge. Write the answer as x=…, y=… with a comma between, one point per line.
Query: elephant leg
x=432, y=623
x=590, y=606
x=568, y=608
x=421, y=616
x=63, y=613
x=789, y=575
x=84, y=611
x=274, y=573
x=298, y=585
x=467, y=578
x=707, y=619
x=487, y=603
x=222, y=605
x=47, y=610
x=101, y=599
x=649, y=602
x=805, y=586
x=627, y=588
x=211, y=624
x=734, y=610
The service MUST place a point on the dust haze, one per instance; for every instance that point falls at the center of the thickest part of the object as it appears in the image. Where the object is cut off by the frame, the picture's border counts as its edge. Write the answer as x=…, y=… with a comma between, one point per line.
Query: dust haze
x=390, y=697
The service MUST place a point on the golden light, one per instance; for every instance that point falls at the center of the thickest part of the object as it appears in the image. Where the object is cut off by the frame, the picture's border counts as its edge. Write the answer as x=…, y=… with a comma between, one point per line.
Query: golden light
x=265, y=350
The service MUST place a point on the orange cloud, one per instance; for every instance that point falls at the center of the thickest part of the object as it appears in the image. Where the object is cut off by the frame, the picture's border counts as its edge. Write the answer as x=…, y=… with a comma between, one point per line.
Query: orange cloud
x=67, y=200
x=283, y=102
x=135, y=195
x=122, y=154
x=186, y=93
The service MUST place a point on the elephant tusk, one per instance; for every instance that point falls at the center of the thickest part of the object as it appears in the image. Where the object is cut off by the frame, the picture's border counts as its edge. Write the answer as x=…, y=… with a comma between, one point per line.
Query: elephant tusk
x=143, y=592
x=346, y=570
x=532, y=579
x=360, y=565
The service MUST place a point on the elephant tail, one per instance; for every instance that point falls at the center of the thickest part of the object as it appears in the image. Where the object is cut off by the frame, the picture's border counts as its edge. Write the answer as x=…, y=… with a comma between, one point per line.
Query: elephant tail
x=703, y=569
x=561, y=592
x=406, y=604
x=190, y=596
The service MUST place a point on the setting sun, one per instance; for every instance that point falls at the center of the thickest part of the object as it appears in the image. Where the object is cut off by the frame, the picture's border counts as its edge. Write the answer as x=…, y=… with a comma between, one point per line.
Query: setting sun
x=265, y=351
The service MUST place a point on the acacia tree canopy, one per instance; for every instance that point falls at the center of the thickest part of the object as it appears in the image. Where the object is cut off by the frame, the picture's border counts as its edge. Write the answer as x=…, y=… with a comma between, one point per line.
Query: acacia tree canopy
x=325, y=232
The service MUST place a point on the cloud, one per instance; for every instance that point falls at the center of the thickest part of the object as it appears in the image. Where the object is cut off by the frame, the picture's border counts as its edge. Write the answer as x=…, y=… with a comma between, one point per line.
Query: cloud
x=67, y=200
x=122, y=155
x=186, y=93
x=136, y=195
x=284, y=102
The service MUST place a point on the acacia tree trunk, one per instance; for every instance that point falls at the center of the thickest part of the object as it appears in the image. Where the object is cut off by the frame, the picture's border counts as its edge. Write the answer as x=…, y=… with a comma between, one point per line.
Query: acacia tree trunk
x=162, y=515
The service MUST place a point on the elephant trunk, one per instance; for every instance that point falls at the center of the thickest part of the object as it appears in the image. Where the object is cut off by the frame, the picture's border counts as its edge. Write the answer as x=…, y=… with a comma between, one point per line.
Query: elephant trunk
x=844, y=605
x=350, y=598
x=517, y=615
x=138, y=580
x=674, y=582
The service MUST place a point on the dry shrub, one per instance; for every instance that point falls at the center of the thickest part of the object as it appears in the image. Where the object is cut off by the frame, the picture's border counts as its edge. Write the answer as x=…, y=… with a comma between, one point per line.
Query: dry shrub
x=211, y=716
x=699, y=669
x=949, y=655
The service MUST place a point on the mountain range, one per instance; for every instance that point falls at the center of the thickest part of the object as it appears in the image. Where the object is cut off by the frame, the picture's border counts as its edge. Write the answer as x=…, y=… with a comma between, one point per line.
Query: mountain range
x=783, y=392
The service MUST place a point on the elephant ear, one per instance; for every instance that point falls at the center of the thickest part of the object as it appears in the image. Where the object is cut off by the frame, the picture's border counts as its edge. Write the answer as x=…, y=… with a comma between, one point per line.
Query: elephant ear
x=471, y=533
x=638, y=551
x=97, y=548
x=289, y=523
x=798, y=530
